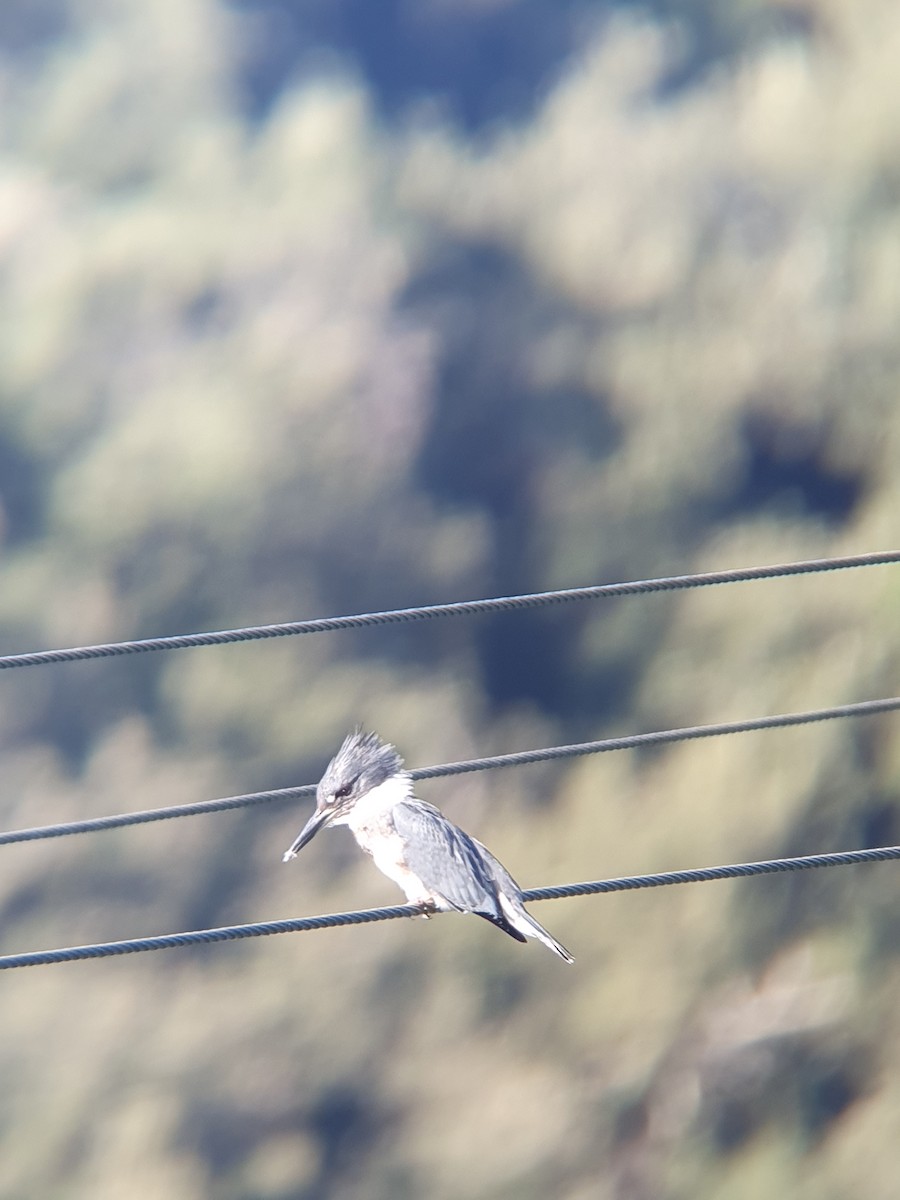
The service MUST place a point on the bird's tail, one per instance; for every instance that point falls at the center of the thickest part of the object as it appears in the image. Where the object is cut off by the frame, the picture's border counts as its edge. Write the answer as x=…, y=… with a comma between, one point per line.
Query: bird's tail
x=525, y=923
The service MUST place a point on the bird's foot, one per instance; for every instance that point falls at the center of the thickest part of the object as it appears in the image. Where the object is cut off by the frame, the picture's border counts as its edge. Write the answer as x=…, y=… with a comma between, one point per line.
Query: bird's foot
x=427, y=909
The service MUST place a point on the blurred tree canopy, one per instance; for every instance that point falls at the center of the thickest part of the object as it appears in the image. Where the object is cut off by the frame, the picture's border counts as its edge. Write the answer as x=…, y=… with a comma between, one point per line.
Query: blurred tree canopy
x=338, y=306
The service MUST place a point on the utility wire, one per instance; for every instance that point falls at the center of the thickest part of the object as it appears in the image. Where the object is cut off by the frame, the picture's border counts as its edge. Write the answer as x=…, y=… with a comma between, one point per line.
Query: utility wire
x=628, y=883
x=521, y=758
x=461, y=608
x=147, y=815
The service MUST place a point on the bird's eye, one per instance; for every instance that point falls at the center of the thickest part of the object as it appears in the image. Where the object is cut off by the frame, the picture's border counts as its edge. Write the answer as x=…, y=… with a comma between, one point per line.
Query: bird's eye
x=343, y=791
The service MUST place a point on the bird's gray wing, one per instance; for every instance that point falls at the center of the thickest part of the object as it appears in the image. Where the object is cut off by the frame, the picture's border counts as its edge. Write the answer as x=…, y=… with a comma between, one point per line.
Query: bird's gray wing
x=445, y=858
x=503, y=881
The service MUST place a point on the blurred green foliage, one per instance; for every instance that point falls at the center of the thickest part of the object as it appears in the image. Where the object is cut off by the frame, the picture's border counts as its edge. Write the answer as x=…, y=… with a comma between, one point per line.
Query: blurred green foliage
x=261, y=366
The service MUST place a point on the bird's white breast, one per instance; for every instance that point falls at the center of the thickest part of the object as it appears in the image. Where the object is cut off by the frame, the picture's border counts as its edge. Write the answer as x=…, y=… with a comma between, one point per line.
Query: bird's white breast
x=372, y=825
x=373, y=809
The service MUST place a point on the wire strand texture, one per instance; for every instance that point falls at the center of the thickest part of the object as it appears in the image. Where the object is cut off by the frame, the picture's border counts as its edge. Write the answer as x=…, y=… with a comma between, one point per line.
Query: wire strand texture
x=519, y=759
x=460, y=608
x=628, y=883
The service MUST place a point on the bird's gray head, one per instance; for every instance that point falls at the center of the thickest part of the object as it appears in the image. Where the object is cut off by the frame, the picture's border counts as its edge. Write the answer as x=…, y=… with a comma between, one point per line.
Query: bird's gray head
x=363, y=762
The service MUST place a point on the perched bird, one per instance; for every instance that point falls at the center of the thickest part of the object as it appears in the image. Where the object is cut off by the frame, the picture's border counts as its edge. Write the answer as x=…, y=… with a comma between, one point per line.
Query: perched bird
x=437, y=865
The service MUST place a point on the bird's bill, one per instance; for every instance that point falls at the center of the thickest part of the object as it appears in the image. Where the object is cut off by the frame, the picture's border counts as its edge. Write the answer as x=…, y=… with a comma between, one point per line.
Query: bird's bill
x=306, y=834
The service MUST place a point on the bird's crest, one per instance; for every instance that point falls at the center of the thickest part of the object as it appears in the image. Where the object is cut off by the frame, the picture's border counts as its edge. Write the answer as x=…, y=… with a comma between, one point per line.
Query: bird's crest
x=364, y=761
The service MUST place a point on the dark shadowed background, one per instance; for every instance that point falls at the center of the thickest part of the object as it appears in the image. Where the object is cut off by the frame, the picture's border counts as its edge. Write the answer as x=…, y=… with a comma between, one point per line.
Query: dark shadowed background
x=327, y=307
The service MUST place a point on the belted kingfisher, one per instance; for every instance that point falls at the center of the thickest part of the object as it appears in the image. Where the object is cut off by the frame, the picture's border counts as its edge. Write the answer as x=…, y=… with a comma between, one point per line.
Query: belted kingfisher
x=437, y=865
